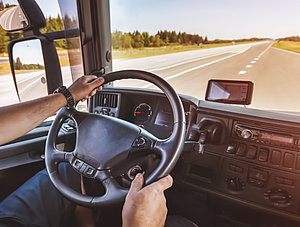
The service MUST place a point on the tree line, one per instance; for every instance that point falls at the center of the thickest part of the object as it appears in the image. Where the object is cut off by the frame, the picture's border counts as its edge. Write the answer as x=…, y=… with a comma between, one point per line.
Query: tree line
x=18, y=65
x=137, y=39
x=290, y=38
x=52, y=24
x=4, y=6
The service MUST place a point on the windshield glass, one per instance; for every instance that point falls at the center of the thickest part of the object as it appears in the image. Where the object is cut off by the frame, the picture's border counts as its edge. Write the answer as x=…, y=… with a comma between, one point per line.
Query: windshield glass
x=190, y=42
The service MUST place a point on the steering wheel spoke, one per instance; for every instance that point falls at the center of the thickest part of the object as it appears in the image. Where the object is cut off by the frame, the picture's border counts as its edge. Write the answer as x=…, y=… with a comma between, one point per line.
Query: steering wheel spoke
x=114, y=193
x=61, y=156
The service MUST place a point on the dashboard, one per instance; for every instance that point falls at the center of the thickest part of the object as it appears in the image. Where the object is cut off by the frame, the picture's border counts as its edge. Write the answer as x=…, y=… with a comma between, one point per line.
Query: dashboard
x=251, y=157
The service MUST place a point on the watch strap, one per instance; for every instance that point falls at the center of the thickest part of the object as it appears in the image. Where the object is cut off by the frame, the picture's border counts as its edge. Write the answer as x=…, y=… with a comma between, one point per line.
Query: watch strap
x=70, y=100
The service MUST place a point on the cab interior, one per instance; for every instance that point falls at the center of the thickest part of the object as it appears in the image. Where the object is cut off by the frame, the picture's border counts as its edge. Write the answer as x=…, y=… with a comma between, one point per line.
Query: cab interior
x=238, y=166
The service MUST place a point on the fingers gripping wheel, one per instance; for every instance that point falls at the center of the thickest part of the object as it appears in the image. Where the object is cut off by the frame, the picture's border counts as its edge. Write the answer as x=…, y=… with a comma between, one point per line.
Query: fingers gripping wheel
x=97, y=152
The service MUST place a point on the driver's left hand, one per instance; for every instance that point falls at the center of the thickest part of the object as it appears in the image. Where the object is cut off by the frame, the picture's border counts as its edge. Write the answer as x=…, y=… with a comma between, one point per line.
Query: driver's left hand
x=85, y=87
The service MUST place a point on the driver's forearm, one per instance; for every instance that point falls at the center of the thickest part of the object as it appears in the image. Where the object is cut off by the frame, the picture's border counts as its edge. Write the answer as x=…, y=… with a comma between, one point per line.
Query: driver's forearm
x=18, y=119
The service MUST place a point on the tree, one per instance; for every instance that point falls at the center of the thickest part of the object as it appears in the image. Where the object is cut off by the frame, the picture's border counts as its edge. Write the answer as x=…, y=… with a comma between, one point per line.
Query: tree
x=116, y=39
x=1, y=6
x=18, y=64
x=127, y=41
x=55, y=24
x=156, y=41
x=205, y=40
x=4, y=40
x=184, y=38
x=146, y=37
x=138, y=40
x=173, y=37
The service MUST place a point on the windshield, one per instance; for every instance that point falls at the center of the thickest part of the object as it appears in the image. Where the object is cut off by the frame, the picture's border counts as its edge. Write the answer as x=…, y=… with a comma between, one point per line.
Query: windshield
x=190, y=42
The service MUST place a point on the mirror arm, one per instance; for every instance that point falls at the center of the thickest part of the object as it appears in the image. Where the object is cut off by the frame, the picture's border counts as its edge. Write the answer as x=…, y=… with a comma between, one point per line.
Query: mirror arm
x=70, y=33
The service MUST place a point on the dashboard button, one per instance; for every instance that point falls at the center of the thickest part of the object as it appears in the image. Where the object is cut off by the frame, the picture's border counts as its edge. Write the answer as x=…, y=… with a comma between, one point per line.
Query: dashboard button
x=241, y=150
x=263, y=155
x=275, y=157
x=258, y=174
x=251, y=153
x=231, y=148
x=298, y=162
x=288, y=160
x=235, y=168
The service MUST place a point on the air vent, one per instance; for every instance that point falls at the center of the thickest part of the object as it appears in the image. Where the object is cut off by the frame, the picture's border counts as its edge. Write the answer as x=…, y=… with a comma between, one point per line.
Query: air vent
x=107, y=100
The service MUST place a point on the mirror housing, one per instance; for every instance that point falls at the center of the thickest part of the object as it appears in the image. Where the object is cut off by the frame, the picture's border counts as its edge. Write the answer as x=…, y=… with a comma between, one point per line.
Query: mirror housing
x=49, y=56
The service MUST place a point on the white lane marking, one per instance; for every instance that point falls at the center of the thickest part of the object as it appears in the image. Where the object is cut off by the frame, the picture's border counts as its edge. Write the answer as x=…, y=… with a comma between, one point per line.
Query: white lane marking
x=11, y=17
x=242, y=72
x=198, y=67
x=253, y=62
x=248, y=66
x=185, y=62
x=262, y=53
x=286, y=51
x=29, y=85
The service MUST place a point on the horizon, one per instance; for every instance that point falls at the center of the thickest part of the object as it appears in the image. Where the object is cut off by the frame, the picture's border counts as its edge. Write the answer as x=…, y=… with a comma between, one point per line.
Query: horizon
x=226, y=20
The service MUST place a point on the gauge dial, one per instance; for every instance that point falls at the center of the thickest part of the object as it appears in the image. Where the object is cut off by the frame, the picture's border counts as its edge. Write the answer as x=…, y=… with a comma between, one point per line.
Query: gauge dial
x=142, y=113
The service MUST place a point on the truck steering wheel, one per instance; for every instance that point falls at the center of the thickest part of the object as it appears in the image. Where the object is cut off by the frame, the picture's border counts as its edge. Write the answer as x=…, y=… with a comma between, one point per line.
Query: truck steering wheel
x=105, y=142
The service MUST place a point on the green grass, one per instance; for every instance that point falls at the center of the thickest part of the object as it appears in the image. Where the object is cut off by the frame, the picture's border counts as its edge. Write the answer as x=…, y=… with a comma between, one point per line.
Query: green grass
x=147, y=52
x=288, y=45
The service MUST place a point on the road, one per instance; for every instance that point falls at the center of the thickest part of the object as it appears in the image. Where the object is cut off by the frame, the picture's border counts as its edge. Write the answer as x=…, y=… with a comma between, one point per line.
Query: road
x=274, y=72
x=13, y=19
x=30, y=85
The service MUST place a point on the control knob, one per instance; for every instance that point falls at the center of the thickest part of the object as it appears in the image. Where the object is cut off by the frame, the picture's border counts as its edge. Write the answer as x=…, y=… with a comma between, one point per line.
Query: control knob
x=235, y=184
x=246, y=133
x=278, y=197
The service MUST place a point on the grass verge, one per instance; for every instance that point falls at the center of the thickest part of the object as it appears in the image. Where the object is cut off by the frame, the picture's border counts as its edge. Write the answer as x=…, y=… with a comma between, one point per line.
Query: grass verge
x=288, y=45
x=147, y=52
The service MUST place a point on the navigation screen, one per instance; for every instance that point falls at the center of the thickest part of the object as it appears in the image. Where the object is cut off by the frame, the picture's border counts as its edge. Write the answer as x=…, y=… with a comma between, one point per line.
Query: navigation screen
x=235, y=92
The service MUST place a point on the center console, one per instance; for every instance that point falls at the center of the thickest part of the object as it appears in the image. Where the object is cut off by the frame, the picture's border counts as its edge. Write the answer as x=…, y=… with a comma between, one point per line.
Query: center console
x=258, y=164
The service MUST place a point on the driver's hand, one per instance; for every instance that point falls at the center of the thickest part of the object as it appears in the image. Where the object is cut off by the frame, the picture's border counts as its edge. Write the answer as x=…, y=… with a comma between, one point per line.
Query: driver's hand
x=146, y=206
x=85, y=87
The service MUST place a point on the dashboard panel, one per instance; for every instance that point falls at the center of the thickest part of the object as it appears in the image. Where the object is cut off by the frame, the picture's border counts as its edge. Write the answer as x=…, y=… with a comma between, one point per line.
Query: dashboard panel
x=251, y=157
x=140, y=108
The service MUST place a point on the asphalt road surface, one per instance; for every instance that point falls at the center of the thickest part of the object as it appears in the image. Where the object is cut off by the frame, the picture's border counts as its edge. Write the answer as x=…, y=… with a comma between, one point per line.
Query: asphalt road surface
x=13, y=19
x=30, y=85
x=274, y=72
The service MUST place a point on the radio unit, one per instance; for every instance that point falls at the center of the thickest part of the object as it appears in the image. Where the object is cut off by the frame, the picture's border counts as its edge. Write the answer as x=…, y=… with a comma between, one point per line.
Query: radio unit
x=266, y=137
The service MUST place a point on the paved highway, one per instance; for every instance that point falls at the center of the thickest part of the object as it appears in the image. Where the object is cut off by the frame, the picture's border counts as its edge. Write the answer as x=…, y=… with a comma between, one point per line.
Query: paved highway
x=274, y=72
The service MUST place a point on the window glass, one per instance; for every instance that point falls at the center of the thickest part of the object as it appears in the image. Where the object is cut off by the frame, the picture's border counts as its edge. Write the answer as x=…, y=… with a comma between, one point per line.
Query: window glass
x=190, y=42
x=68, y=50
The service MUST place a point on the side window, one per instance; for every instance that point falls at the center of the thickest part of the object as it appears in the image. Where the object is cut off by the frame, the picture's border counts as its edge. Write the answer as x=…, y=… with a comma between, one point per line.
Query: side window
x=30, y=73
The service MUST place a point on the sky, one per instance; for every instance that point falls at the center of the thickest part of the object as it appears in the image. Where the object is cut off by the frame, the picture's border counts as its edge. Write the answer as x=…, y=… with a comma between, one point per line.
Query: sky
x=216, y=19
x=29, y=52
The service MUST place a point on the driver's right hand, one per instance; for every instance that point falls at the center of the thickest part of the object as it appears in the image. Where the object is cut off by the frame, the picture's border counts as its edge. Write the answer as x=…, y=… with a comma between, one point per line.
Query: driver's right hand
x=146, y=206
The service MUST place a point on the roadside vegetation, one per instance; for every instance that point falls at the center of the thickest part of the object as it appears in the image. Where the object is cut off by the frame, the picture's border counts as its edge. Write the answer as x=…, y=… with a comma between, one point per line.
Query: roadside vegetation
x=126, y=45
x=289, y=43
x=141, y=44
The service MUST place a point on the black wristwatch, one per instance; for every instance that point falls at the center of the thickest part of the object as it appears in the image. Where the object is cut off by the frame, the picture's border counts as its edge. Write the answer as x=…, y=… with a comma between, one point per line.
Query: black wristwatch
x=67, y=94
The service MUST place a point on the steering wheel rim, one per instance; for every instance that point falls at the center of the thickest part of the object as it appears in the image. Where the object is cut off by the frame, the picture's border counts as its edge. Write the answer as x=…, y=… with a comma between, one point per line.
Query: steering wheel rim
x=86, y=155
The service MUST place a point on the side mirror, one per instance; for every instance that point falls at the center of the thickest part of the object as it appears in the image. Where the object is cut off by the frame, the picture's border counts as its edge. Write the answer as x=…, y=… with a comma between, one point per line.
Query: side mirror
x=21, y=15
x=35, y=67
x=29, y=69
x=12, y=17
